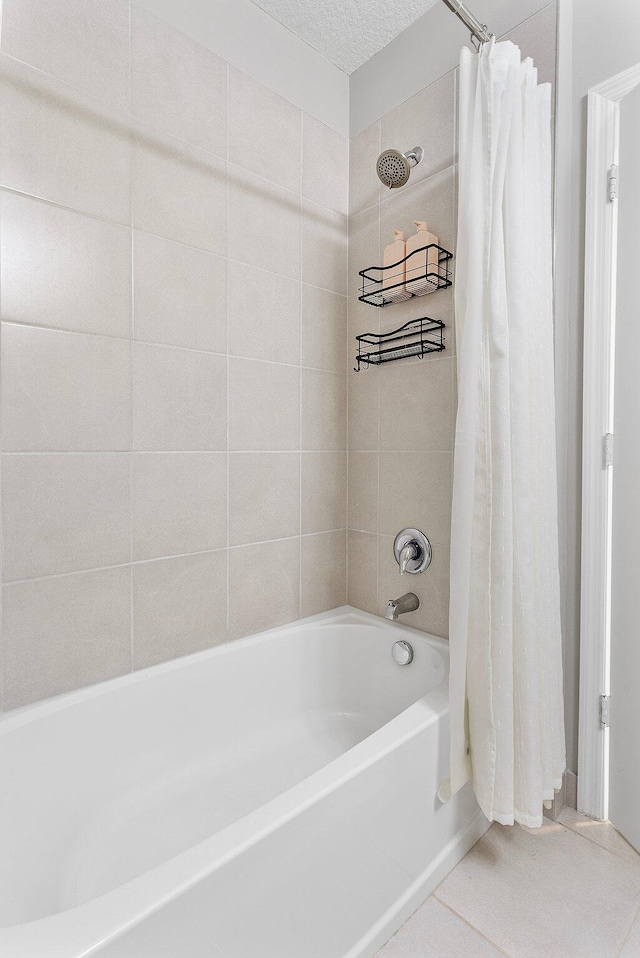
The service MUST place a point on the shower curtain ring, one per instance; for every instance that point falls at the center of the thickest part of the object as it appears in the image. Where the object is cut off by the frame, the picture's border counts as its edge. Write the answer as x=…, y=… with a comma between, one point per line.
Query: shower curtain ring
x=478, y=42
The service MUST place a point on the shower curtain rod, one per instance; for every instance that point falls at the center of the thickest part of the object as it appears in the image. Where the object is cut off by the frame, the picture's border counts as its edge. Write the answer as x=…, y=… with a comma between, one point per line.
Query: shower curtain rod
x=478, y=30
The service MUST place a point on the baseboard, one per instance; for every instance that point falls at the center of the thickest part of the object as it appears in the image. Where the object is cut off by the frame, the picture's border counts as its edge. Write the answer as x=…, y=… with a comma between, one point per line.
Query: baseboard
x=571, y=790
x=566, y=797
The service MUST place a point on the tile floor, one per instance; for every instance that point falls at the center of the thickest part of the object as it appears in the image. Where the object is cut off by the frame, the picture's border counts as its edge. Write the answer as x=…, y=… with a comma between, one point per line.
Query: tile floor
x=568, y=890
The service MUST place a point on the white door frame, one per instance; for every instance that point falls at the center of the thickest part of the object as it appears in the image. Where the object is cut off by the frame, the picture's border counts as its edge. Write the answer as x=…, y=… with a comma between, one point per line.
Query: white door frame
x=601, y=231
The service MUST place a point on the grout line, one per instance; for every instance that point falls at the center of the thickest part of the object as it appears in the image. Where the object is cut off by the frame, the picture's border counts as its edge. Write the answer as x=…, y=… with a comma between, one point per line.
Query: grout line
x=411, y=96
x=629, y=930
x=347, y=446
x=228, y=374
x=552, y=3
x=468, y=923
x=591, y=840
x=405, y=190
x=119, y=224
x=119, y=452
x=74, y=332
x=346, y=350
x=177, y=555
x=304, y=535
x=131, y=370
x=237, y=69
x=379, y=399
x=259, y=269
x=124, y=118
x=2, y=653
x=300, y=403
x=175, y=346
x=135, y=125
x=24, y=194
x=105, y=568
x=369, y=532
x=130, y=65
x=425, y=181
x=169, y=452
x=491, y=941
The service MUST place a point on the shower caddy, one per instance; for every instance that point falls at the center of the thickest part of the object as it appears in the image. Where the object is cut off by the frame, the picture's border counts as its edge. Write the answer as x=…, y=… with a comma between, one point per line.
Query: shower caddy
x=375, y=292
x=417, y=337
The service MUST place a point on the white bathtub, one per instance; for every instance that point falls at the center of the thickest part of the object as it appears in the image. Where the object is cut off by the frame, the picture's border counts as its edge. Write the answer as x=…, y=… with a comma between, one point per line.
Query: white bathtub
x=271, y=798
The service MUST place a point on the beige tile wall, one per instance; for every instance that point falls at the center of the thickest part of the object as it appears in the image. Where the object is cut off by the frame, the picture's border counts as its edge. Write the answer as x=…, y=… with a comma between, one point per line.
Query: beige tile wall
x=401, y=415
x=174, y=326
x=174, y=251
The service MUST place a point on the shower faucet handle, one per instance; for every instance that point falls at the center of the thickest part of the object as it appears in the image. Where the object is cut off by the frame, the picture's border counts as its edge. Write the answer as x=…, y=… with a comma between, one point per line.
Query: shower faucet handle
x=407, y=553
x=412, y=551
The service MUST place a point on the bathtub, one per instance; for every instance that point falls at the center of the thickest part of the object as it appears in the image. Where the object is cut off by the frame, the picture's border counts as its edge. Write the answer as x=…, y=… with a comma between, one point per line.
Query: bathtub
x=274, y=797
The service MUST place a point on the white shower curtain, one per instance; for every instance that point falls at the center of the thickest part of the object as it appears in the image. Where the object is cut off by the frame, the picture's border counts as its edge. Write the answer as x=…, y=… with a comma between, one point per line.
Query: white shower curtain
x=507, y=728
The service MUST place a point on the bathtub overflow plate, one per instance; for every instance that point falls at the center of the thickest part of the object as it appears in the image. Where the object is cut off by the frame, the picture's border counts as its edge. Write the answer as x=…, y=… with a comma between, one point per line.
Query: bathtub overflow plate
x=402, y=653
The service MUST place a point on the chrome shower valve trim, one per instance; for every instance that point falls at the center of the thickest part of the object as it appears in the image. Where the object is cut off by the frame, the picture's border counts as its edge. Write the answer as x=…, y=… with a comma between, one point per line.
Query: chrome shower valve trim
x=412, y=551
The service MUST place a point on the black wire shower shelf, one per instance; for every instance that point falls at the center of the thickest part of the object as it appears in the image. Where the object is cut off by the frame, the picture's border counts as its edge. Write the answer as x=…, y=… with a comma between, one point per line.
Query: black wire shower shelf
x=416, y=338
x=423, y=271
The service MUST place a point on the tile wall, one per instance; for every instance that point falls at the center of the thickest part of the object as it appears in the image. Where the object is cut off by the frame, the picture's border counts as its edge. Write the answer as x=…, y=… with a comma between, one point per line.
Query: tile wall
x=402, y=415
x=176, y=356
x=173, y=368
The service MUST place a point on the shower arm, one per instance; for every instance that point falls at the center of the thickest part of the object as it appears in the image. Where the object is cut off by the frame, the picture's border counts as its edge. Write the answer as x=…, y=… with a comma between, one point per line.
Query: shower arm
x=478, y=30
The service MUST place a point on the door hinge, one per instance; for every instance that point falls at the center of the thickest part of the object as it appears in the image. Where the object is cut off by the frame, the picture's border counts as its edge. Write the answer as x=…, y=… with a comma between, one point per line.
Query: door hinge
x=604, y=711
x=608, y=449
x=613, y=183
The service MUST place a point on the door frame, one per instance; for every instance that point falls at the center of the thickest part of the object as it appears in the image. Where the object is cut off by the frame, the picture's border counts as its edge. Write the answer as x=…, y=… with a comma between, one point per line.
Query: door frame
x=601, y=230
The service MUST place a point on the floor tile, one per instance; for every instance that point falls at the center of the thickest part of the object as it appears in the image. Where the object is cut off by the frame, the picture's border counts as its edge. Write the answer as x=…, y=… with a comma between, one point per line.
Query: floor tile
x=435, y=932
x=632, y=944
x=545, y=894
x=602, y=833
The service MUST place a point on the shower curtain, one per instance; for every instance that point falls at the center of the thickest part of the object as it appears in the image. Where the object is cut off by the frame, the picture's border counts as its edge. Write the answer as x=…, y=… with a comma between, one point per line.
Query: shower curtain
x=507, y=728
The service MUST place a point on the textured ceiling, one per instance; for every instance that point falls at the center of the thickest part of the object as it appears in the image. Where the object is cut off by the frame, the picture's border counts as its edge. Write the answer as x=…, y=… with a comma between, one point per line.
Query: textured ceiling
x=347, y=32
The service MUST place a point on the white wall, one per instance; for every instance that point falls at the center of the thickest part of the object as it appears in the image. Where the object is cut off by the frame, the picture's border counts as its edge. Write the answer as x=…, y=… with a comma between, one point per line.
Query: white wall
x=251, y=40
x=597, y=39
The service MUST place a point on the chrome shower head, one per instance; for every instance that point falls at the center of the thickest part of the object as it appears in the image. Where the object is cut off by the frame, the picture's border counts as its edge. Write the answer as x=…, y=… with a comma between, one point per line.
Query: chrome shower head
x=394, y=168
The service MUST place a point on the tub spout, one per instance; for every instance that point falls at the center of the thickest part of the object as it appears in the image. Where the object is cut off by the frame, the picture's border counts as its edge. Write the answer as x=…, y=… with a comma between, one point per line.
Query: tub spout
x=406, y=603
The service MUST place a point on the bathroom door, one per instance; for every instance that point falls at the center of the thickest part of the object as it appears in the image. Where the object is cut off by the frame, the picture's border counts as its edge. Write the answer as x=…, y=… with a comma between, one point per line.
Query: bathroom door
x=624, y=761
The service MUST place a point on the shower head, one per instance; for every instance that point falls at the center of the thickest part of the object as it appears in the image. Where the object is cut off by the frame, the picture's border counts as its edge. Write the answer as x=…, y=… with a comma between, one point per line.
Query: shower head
x=394, y=168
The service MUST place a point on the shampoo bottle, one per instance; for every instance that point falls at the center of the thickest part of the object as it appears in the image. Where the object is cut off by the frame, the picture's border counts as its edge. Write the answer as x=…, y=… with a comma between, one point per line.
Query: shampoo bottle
x=394, y=276
x=422, y=268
